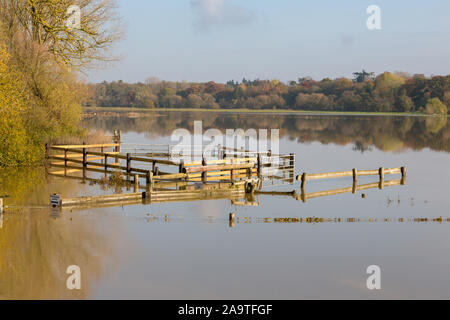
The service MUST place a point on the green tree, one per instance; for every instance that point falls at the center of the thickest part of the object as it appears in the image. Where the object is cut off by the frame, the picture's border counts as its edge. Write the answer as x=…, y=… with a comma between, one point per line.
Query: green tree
x=435, y=106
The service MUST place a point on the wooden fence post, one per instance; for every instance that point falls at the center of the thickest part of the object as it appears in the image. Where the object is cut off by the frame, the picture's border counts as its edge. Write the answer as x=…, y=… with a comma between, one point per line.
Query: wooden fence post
x=231, y=219
x=84, y=156
x=249, y=173
x=150, y=181
x=403, y=170
x=303, y=182
x=47, y=151
x=84, y=162
x=259, y=164
x=128, y=163
x=181, y=166
x=205, y=173
x=381, y=172
x=136, y=183
x=291, y=167
x=106, y=162
x=119, y=141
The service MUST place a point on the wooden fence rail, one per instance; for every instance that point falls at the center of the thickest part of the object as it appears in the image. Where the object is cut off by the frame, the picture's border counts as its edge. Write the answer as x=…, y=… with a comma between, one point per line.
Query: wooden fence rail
x=353, y=173
x=228, y=167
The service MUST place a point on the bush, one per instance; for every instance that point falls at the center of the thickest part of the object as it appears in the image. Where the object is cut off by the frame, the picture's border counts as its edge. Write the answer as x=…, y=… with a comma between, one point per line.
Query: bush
x=435, y=106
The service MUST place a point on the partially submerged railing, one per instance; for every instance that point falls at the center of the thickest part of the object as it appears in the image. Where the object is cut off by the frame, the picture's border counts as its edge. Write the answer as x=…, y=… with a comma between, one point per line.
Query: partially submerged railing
x=381, y=172
x=227, y=164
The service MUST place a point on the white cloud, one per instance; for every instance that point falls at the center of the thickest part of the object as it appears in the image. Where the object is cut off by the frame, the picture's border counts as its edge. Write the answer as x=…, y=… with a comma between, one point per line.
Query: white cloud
x=220, y=13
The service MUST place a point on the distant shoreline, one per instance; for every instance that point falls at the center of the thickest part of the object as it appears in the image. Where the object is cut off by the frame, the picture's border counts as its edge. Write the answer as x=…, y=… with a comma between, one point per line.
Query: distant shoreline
x=87, y=110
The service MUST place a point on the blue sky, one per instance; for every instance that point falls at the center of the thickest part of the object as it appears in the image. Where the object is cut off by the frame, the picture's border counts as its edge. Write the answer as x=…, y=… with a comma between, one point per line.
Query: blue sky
x=203, y=40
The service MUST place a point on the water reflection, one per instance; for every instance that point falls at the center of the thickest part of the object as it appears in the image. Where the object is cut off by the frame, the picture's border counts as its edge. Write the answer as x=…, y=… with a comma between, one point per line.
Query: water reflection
x=391, y=134
x=167, y=218
x=319, y=249
x=38, y=243
x=35, y=252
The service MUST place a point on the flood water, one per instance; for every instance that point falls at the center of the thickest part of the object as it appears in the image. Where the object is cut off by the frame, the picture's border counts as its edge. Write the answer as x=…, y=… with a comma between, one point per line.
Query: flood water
x=189, y=250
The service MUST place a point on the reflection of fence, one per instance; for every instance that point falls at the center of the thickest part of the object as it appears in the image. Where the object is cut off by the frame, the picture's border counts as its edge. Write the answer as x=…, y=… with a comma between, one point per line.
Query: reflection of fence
x=380, y=185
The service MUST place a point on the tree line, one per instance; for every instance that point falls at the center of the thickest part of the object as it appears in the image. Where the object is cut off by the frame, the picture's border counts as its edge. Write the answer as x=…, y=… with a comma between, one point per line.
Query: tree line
x=387, y=92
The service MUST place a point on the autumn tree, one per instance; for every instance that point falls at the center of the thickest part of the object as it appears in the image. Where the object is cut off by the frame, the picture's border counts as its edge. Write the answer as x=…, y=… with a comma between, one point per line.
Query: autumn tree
x=435, y=106
x=45, y=50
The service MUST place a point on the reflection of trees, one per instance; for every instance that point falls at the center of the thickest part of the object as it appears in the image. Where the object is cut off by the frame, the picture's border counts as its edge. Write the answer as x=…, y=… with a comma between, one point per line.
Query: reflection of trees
x=361, y=146
x=384, y=133
x=36, y=249
x=435, y=124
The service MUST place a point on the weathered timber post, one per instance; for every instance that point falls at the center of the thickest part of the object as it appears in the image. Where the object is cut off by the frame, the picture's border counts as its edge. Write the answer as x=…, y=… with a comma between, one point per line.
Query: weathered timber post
x=355, y=180
x=259, y=164
x=84, y=157
x=84, y=162
x=403, y=170
x=136, y=183
x=249, y=173
x=291, y=167
x=204, y=173
x=119, y=140
x=65, y=157
x=381, y=173
x=303, y=182
x=231, y=219
x=354, y=186
x=303, y=195
x=128, y=163
x=181, y=166
x=150, y=182
x=250, y=187
x=147, y=181
x=47, y=151
x=106, y=163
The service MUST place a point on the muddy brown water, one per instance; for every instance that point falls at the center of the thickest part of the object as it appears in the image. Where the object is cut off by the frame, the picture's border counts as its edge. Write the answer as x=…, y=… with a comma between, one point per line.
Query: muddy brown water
x=189, y=250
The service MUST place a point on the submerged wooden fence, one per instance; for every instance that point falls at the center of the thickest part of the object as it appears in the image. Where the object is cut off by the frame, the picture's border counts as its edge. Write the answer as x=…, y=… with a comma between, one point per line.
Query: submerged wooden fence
x=381, y=172
x=304, y=196
x=230, y=191
x=234, y=172
x=107, y=159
